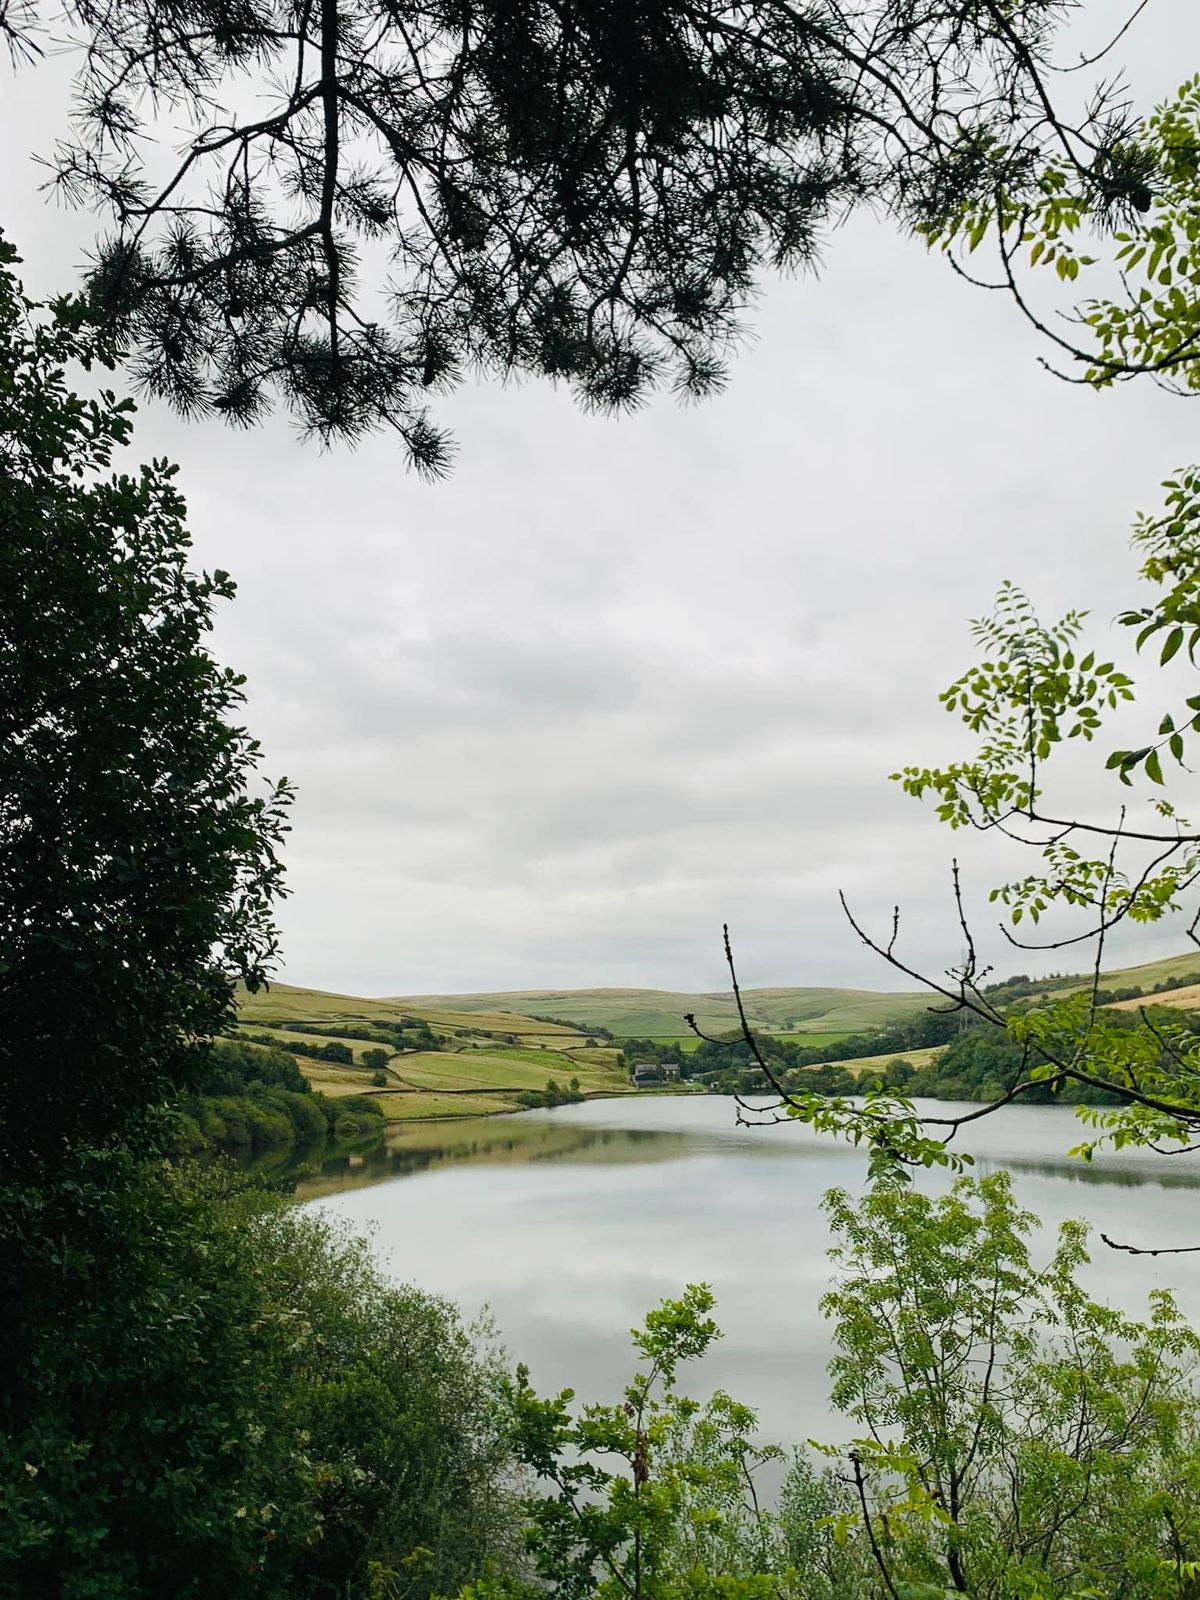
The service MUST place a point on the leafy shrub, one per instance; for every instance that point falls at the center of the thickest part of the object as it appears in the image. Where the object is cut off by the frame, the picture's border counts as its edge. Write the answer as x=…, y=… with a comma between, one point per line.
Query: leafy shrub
x=252, y=1099
x=208, y=1396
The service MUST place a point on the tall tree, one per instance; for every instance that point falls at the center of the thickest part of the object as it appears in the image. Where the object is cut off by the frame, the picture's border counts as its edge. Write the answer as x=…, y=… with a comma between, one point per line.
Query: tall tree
x=137, y=864
x=375, y=196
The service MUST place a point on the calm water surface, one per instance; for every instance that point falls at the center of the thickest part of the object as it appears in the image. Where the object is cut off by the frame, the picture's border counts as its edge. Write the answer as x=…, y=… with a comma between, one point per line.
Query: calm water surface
x=570, y=1224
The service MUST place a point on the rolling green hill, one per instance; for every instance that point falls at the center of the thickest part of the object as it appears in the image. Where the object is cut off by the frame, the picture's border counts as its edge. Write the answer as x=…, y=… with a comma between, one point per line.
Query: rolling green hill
x=476, y=1063
x=284, y=1002
x=659, y=1013
x=486, y=1049
x=1146, y=977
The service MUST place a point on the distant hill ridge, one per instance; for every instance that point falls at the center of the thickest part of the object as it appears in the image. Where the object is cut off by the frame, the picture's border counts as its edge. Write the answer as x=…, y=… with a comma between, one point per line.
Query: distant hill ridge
x=658, y=1013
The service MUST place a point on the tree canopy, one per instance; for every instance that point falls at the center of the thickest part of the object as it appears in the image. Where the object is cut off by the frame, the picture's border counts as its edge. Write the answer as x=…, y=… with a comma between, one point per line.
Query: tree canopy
x=374, y=197
x=137, y=864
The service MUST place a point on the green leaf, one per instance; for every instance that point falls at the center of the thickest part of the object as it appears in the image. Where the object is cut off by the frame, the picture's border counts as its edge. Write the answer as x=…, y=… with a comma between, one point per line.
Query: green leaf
x=1174, y=640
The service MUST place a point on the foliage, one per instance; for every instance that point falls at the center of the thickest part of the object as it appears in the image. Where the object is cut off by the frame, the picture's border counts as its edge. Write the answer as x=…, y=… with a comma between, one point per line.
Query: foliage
x=334, y=1052
x=730, y=1063
x=1021, y=1439
x=816, y=1522
x=594, y=1030
x=552, y=1095
x=137, y=868
x=1137, y=208
x=588, y=191
x=246, y=1100
x=1036, y=686
x=1039, y=685
x=678, y=1515
x=206, y=1395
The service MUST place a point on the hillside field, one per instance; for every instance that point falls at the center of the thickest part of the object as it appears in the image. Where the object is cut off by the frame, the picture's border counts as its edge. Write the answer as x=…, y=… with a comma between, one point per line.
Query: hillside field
x=659, y=1013
x=485, y=1059
x=494, y=1047
x=1145, y=976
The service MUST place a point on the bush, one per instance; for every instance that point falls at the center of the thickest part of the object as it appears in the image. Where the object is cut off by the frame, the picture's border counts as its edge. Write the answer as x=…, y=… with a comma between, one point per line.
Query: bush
x=358, y=1105
x=206, y=1395
x=253, y=1100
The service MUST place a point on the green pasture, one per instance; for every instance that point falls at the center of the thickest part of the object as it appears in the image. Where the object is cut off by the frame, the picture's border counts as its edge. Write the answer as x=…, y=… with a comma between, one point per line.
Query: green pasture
x=327, y=1079
x=477, y=1069
x=864, y=1065
x=417, y=1106
x=659, y=1013
x=283, y=1035
x=816, y=1040
x=1144, y=976
x=285, y=1002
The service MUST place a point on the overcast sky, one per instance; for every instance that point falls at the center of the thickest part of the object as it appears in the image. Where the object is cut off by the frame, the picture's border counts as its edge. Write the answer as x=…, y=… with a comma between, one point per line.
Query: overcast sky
x=615, y=682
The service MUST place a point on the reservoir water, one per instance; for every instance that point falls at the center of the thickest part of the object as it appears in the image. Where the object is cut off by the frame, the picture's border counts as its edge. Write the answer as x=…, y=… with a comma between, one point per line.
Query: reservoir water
x=568, y=1225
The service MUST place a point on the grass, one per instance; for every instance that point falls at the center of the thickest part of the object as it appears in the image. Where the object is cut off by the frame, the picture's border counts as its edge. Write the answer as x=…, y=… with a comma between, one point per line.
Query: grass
x=862, y=1065
x=814, y=1039
x=809, y=1016
x=283, y=1035
x=1143, y=977
x=600, y=1057
x=417, y=1098
x=327, y=1080
x=416, y=1106
x=1186, y=999
x=284, y=1002
x=658, y=1013
x=478, y=1076
x=569, y=1058
x=474, y=1069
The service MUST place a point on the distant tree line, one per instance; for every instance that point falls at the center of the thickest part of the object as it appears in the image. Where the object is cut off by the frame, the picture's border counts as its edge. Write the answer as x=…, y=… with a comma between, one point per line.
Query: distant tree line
x=409, y=1034
x=593, y=1032
x=552, y=1095
x=726, y=1064
x=982, y=1063
x=248, y=1099
x=976, y=1063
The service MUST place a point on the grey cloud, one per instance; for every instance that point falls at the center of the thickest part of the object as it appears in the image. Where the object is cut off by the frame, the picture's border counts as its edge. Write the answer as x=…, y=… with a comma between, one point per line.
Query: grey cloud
x=620, y=679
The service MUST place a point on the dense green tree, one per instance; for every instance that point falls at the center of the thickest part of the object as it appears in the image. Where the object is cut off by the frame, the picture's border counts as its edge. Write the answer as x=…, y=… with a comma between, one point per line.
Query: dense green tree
x=1019, y=1438
x=137, y=862
x=204, y=1394
x=372, y=198
x=245, y=1100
